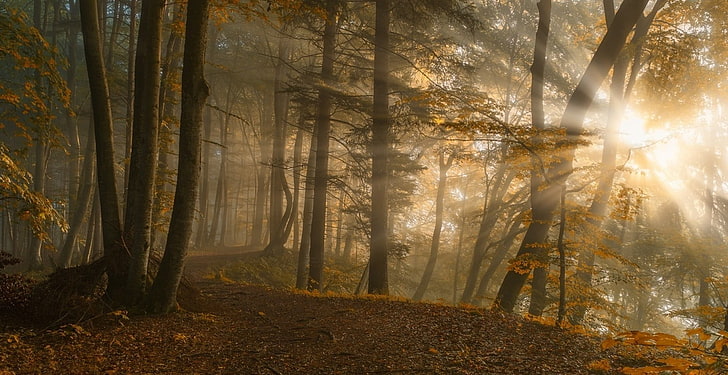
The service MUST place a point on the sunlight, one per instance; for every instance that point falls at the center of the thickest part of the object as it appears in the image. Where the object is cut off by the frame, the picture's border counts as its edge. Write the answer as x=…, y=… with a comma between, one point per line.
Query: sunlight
x=636, y=134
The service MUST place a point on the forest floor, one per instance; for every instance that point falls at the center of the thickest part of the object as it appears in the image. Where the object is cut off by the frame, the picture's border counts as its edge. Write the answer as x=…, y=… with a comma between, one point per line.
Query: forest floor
x=248, y=329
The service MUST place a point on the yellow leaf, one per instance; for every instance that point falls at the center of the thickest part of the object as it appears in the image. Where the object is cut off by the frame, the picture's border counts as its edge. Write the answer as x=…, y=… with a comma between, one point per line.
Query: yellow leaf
x=434, y=351
x=260, y=313
x=679, y=364
x=609, y=343
x=702, y=335
x=720, y=344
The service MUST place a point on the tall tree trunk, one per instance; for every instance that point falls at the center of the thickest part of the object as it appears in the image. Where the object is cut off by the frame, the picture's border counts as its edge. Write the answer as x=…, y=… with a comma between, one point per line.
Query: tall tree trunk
x=305, y=246
x=619, y=91
x=74, y=167
x=83, y=201
x=144, y=152
x=162, y=296
x=103, y=136
x=435, y=245
x=221, y=189
x=297, y=170
x=276, y=219
x=378, y=279
x=131, y=72
x=544, y=204
x=42, y=149
x=538, y=285
x=492, y=203
x=204, y=189
x=323, y=128
x=262, y=179
x=505, y=244
x=170, y=65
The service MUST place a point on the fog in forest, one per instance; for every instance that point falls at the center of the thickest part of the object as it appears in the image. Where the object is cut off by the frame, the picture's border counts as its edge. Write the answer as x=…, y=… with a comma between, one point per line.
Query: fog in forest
x=590, y=193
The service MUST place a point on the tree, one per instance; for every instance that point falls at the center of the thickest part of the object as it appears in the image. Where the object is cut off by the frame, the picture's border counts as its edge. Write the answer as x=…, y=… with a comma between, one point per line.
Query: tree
x=378, y=280
x=323, y=129
x=439, y=208
x=538, y=69
x=545, y=203
x=619, y=92
x=103, y=134
x=143, y=164
x=162, y=295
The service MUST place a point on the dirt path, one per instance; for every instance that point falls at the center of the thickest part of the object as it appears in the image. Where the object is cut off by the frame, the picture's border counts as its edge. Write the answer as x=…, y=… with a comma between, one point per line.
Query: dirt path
x=246, y=329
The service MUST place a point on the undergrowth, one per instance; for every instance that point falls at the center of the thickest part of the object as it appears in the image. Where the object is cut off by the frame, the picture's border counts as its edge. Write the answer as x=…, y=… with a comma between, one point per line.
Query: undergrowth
x=15, y=290
x=280, y=272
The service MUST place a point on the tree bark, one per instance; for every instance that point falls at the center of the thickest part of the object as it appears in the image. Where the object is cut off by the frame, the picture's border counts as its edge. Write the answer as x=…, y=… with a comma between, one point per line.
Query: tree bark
x=277, y=219
x=131, y=72
x=144, y=150
x=323, y=128
x=492, y=203
x=378, y=279
x=162, y=295
x=103, y=136
x=545, y=203
x=305, y=245
x=439, y=209
x=620, y=91
x=83, y=201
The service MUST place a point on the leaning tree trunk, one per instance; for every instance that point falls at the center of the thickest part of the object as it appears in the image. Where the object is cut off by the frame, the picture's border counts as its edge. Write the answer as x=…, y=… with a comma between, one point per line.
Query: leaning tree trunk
x=544, y=204
x=492, y=203
x=620, y=91
x=162, y=295
x=144, y=149
x=435, y=245
x=378, y=280
x=323, y=128
x=103, y=136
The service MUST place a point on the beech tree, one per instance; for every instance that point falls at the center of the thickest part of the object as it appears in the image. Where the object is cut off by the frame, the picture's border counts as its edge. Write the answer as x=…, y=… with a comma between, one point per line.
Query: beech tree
x=322, y=131
x=544, y=204
x=144, y=151
x=163, y=293
x=378, y=280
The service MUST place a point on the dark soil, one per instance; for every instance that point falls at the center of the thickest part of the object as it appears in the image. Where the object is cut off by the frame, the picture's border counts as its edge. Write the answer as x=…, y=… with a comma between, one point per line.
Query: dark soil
x=246, y=329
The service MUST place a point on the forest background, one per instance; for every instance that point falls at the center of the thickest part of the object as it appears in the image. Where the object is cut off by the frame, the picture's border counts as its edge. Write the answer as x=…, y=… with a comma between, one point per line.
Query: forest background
x=429, y=149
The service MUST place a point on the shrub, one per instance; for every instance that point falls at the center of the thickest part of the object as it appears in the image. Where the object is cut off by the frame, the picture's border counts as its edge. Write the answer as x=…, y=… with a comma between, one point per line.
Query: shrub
x=14, y=289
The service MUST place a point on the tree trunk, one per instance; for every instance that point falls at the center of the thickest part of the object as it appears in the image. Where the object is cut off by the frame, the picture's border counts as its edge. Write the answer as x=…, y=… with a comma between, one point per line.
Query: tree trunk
x=170, y=65
x=131, y=72
x=74, y=167
x=499, y=255
x=544, y=204
x=83, y=201
x=162, y=296
x=203, y=204
x=103, y=135
x=619, y=92
x=297, y=170
x=144, y=150
x=538, y=285
x=439, y=208
x=276, y=219
x=378, y=280
x=492, y=203
x=305, y=246
x=323, y=128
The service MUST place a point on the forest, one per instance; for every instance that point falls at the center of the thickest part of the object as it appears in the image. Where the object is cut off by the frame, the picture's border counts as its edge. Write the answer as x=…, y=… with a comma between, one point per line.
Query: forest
x=562, y=160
